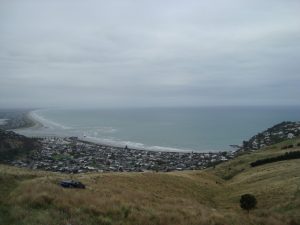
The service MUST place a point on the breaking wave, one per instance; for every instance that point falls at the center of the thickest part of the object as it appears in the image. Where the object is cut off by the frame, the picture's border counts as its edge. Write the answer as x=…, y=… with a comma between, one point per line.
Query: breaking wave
x=132, y=145
x=46, y=122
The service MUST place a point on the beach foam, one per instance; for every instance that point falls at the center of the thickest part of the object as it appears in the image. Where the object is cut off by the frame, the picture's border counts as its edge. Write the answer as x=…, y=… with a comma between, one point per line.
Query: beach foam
x=46, y=122
x=132, y=145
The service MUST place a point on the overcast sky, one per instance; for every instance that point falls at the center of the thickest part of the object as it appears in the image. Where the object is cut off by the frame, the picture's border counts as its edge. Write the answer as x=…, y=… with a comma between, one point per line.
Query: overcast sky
x=149, y=53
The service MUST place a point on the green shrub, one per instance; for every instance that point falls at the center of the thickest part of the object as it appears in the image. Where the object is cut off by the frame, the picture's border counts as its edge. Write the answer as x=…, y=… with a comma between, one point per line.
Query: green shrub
x=248, y=202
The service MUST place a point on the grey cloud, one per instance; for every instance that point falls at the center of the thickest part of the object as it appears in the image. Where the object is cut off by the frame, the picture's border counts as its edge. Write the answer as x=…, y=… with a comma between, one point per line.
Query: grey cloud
x=63, y=52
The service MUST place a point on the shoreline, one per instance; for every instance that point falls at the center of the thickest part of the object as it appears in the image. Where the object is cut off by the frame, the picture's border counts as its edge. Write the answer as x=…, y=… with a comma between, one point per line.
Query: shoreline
x=38, y=124
x=33, y=123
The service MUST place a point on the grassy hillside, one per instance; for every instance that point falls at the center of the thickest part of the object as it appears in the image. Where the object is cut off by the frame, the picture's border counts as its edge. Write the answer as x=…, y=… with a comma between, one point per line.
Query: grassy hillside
x=201, y=197
x=14, y=146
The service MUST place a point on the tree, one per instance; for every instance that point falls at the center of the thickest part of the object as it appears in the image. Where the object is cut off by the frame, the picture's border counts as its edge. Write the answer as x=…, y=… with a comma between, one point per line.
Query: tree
x=248, y=202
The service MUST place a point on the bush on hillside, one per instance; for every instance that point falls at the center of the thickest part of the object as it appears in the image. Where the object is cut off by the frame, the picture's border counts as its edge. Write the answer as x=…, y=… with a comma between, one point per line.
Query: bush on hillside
x=248, y=202
x=286, y=156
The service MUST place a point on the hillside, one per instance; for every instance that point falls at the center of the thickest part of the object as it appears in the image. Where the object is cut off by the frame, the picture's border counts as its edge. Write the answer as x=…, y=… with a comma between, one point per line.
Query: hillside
x=14, y=146
x=273, y=135
x=203, y=197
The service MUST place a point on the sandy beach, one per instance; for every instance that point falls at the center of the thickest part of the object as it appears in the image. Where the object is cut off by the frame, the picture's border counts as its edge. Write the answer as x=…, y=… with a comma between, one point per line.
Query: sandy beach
x=40, y=127
x=33, y=118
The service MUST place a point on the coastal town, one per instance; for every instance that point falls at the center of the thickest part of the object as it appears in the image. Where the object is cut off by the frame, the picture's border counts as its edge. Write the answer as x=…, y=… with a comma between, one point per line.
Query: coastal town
x=278, y=133
x=70, y=155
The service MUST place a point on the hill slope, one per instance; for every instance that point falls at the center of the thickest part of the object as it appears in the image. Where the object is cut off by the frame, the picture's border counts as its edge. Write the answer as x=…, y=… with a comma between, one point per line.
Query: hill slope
x=202, y=197
x=13, y=146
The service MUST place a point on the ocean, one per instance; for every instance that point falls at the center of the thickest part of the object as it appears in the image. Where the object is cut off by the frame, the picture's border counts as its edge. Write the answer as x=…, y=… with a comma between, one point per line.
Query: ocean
x=200, y=129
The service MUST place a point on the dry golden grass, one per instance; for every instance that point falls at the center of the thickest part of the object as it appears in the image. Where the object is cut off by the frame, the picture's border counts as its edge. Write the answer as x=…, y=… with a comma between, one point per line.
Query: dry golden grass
x=183, y=198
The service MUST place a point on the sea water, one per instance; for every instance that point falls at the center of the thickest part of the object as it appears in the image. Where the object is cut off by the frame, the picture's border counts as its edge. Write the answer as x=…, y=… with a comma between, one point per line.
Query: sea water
x=165, y=129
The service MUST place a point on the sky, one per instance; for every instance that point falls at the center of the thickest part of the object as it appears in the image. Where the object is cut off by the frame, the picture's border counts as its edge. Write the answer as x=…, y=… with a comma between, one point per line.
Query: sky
x=131, y=53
